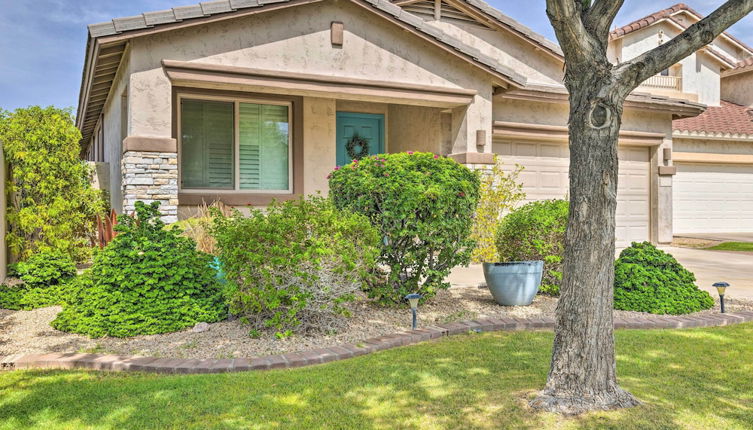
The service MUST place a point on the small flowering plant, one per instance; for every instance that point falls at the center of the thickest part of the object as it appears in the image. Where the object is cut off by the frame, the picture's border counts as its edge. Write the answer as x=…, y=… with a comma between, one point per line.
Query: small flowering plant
x=423, y=206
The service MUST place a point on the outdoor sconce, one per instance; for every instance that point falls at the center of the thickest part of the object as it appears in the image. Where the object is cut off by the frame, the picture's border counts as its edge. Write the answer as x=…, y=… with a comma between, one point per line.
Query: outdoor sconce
x=721, y=287
x=413, y=300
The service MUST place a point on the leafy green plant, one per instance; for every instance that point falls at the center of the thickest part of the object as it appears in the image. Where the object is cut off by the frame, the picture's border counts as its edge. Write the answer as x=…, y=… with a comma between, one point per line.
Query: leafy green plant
x=45, y=276
x=51, y=204
x=647, y=279
x=536, y=231
x=46, y=268
x=148, y=280
x=423, y=206
x=499, y=193
x=292, y=267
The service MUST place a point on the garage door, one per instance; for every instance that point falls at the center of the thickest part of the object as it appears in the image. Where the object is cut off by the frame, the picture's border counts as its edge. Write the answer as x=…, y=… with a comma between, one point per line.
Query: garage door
x=713, y=198
x=545, y=177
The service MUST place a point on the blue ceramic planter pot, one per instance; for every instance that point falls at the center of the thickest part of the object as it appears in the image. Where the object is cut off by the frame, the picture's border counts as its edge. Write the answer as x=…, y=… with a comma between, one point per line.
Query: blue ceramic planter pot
x=515, y=283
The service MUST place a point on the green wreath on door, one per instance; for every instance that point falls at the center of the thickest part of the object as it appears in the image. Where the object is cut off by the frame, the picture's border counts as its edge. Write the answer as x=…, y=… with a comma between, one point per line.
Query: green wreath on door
x=357, y=147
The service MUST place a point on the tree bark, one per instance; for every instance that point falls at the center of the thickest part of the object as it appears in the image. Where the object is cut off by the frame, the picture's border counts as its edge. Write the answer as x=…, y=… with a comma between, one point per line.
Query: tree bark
x=583, y=374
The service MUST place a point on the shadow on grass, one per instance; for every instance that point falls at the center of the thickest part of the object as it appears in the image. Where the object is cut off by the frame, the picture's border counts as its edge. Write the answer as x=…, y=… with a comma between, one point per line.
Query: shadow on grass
x=696, y=378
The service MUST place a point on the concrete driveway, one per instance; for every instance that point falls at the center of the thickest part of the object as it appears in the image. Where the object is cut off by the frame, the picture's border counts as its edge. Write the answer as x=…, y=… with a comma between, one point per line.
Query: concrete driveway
x=714, y=266
x=708, y=266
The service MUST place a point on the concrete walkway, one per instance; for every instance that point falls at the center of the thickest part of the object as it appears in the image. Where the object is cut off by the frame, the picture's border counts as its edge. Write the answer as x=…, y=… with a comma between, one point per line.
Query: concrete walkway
x=708, y=267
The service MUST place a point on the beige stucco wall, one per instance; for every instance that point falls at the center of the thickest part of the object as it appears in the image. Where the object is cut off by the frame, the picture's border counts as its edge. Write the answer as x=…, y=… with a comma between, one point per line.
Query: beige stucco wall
x=414, y=128
x=700, y=71
x=738, y=89
x=297, y=39
x=113, y=117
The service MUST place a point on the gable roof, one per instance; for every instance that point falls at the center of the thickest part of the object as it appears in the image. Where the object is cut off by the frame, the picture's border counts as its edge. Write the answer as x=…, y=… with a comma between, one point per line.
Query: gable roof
x=744, y=66
x=669, y=14
x=113, y=35
x=486, y=15
x=729, y=120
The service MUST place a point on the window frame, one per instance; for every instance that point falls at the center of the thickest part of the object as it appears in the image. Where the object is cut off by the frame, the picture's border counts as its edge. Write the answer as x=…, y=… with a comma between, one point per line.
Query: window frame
x=236, y=100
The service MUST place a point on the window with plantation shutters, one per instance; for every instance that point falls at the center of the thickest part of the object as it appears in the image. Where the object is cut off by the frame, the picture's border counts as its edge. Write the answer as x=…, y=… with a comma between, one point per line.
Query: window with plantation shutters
x=264, y=147
x=235, y=145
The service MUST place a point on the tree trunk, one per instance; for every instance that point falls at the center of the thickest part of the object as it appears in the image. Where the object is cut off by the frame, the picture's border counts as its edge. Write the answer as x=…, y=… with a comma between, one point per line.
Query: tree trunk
x=582, y=376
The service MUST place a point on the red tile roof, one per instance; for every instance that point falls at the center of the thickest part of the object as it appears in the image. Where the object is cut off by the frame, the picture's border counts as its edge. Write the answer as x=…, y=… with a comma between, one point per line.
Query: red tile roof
x=729, y=118
x=666, y=14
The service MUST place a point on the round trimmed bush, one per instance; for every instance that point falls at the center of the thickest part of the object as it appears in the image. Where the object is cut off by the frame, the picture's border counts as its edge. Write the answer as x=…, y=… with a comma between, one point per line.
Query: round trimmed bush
x=647, y=279
x=536, y=231
x=148, y=280
x=423, y=206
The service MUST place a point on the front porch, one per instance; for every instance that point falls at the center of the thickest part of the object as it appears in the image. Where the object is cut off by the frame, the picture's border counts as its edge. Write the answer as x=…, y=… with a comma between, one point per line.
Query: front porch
x=248, y=137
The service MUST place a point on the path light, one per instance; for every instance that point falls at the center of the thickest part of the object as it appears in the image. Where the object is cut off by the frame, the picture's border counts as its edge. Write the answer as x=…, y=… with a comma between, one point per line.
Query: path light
x=721, y=287
x=413, y=300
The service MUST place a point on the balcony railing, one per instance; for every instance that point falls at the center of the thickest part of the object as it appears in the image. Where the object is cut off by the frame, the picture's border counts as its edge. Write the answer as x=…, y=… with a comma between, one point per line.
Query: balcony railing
x=665, y=82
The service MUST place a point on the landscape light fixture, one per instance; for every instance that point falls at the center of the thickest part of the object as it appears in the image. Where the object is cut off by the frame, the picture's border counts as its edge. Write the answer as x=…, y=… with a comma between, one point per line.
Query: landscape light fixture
x=721, y=287
x=413, y=300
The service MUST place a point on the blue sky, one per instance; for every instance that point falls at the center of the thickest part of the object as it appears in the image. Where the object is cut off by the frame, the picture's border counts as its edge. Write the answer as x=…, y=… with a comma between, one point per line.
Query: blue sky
x=42, y=41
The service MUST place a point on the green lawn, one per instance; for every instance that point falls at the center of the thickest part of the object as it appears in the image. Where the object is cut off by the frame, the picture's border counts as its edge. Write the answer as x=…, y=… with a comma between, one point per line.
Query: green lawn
x=733, y=246
x=696, y=379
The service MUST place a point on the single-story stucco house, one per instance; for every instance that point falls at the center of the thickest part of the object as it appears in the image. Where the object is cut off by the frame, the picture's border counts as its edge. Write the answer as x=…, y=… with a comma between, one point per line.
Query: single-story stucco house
x=246, y=101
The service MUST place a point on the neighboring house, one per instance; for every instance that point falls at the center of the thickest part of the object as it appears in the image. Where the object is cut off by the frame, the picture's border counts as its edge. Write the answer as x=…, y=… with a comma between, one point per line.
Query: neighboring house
x=246, y=101
x=713, y=152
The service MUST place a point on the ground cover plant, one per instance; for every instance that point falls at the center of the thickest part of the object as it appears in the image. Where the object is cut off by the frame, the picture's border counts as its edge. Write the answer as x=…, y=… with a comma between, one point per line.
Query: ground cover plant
x=292, y=267
x=44, y=279
x=687, y=379
x=536, y=231
x=648, y=279
x=148, y=280
x=51, y=204
x=423, y=207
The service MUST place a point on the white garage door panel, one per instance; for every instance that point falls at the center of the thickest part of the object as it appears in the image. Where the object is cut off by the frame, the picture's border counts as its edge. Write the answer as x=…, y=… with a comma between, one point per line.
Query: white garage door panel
x=713, y=198
x=545, y=177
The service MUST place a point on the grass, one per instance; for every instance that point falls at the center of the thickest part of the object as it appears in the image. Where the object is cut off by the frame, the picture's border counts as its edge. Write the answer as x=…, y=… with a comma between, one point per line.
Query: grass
x=687, y=379
x=733, y=246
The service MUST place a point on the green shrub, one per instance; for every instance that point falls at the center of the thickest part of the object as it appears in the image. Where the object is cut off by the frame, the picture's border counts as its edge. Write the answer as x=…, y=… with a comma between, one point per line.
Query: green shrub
x=46, y=268
x=499, y=193
x=51, y=204
x=293, y=266
x=44, y=275
x=647, y=279
x=148, y=280
x=536, y=231
x=423, y=206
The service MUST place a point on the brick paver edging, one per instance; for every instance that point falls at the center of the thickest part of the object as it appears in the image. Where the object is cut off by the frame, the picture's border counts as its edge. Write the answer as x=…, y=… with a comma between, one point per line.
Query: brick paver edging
x=340, y=352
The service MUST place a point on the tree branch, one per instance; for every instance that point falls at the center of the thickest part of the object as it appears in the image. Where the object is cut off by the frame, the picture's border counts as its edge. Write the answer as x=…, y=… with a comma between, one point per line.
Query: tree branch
x=578, y=45
x=600, y=17
x=632, y=73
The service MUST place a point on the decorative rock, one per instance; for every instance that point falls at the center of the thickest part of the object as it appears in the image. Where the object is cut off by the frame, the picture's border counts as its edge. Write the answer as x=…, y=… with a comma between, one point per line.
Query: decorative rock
x=200, y=327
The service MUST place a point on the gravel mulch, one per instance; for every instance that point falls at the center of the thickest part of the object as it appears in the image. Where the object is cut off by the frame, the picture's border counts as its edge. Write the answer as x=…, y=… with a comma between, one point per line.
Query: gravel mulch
x=30, y=332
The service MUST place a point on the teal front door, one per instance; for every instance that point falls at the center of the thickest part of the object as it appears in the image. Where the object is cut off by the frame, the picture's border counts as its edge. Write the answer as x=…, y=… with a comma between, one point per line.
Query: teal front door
x=368, y=126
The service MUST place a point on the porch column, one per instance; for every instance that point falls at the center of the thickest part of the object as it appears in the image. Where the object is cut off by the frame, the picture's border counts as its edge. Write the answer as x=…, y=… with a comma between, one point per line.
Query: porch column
x=319, y=146
x=471, y=132
x=149, y=166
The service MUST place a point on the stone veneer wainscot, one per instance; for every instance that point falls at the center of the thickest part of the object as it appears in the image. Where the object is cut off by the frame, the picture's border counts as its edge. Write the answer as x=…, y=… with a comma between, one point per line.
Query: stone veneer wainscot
x=151, y=177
